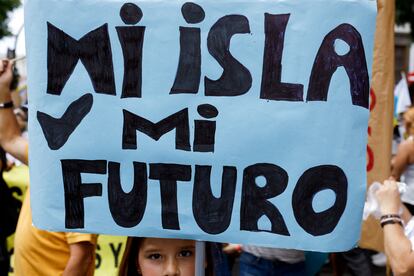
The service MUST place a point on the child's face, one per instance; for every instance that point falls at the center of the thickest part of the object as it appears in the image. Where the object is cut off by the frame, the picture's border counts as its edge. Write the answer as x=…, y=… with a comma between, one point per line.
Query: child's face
x=162, y=257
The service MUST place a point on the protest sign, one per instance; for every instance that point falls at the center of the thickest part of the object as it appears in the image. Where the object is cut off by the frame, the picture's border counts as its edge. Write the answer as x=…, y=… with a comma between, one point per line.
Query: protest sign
x=232, y=121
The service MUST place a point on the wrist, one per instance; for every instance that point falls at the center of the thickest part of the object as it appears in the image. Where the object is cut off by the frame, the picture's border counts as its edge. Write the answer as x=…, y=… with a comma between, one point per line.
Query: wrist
x=5, y=105
x=391, y=219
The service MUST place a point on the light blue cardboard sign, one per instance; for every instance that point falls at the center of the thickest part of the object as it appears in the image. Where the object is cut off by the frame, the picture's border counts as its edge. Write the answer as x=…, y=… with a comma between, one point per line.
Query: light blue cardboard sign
x=237, y=121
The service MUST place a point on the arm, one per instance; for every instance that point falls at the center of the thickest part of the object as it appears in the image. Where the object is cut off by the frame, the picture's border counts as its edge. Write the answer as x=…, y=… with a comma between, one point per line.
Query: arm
x=398, y=247
x=401, y=160
x=10, y=138
x=81, y=259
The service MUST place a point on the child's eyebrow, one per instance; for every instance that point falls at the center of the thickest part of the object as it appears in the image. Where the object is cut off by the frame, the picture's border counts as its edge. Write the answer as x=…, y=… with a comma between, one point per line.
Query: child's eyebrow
x=152, y=250
x=157, y=249
x=188, y=247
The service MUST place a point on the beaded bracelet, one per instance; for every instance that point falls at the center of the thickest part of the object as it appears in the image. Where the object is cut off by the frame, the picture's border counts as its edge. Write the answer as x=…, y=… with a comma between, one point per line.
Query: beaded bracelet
x=383, y=223
x=390, y=216
x=387, y=219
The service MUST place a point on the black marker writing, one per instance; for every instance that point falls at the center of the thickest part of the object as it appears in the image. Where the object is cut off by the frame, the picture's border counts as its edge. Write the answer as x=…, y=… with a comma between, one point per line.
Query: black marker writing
x=187, y=79
x=132, y=40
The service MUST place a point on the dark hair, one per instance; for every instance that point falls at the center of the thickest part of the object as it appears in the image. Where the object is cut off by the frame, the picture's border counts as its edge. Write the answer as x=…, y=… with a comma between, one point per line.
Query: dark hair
x=3, y=160
x=129, y=267
x=9, y=205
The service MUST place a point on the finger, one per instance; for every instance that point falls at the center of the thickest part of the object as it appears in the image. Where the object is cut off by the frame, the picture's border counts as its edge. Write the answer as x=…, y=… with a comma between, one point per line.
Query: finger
x=8, y=72
x=3, y=65
x=9, y=66
x=393, y=185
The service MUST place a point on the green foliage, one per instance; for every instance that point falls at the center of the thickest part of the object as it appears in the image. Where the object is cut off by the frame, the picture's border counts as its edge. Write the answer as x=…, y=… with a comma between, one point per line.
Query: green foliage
x=6, y=6
x=405, y=13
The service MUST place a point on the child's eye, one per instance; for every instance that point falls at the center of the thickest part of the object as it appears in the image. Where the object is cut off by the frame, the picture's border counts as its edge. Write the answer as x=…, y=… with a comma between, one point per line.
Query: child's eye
x=186, y=253
x=154, y=256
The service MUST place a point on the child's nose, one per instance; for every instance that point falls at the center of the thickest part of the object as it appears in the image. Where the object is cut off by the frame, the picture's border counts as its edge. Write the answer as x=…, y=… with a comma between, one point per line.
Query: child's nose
x=171, y=267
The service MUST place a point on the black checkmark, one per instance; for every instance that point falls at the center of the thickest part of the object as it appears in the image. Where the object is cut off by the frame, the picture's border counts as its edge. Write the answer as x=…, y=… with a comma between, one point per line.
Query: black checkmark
x=58, y=131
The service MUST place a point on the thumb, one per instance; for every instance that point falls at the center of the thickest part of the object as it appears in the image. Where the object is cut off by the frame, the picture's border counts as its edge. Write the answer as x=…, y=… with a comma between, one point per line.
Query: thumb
x=6, y=71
